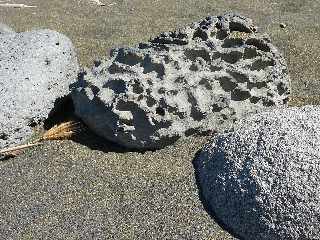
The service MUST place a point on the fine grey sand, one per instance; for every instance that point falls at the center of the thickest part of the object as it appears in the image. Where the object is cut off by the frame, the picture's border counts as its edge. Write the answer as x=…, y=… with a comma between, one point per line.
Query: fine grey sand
x=82, y=190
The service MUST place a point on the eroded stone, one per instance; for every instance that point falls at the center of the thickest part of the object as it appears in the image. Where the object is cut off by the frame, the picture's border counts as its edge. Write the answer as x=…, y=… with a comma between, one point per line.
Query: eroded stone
x=197, y=79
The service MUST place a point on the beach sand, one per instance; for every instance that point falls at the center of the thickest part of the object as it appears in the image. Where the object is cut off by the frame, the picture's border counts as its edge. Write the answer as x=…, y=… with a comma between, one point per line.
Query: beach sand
x=93, y=190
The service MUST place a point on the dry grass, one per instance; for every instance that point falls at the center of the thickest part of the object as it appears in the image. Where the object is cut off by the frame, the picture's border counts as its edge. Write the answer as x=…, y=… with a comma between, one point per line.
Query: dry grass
x=62, y=131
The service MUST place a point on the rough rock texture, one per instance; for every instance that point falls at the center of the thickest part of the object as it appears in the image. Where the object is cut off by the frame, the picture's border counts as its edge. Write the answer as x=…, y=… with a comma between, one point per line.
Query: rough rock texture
x=262, y=180
x=196, y=79
x=5, y=29
x=36, y=69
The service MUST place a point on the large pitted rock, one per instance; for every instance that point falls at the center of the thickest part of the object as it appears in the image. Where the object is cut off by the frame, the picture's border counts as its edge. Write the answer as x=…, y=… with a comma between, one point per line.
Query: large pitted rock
x=197, y=79
x=36, y=69
x=262, y=181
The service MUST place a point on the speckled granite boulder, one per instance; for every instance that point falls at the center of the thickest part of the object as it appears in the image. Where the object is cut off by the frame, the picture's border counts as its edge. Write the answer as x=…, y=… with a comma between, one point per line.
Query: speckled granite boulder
x=36, y=69
x=262, y=181
x=197, y=79
x=5, y=29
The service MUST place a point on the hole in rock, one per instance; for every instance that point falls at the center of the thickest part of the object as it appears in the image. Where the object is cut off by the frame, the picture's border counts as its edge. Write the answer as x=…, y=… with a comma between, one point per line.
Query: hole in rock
x=181, y=79
x=140, y=97
x=117, y=85
x=162, y=90
x=191, y=131
x=239, y=27
x=149, y=66
x=232, y=42
x=261, y=64
x=259, y=44
x=250, y=52
x=119, y=68
x=160, y=111
x=240, y=95
x=232, y=57
x=32, y=123
x=286, y=100
x=222, y=34
x=268, y=102
x=216, y=108
x=3, y=136
x=206, y=83
x=47, y=61
x=282, y=88
x=151, y=101
x=193, y=54
x=136, y=87
x=254, y=99
x=195, y=113
x=214, y=68
x=172, y=92
x=227, y=84
x=194, y=67
x=129, y=58
x=200, y=33
x=238, y=76
x=97, y=63
x=206, y=23
x=177, y=38
x=258, y=85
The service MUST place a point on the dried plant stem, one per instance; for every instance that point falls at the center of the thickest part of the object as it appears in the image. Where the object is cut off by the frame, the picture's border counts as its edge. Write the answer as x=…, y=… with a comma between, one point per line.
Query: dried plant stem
x=98, y=2
x=59, y=132
x=62, y=131
x=16, y=5
x=17, y=148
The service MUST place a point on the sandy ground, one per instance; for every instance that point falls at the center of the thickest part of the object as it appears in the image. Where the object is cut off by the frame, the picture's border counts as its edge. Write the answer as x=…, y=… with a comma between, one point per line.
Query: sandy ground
x=90, y=190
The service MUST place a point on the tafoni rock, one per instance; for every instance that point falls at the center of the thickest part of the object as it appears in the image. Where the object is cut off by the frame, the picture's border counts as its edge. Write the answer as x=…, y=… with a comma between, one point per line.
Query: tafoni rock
x=262, y=180
x=197, y=79
x=36, y=69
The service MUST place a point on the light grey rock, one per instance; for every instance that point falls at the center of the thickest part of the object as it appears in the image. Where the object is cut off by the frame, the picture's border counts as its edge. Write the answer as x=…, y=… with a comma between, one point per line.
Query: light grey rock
x=36, y=69
x=5, y=29
x=197, y=79
x=262, y=181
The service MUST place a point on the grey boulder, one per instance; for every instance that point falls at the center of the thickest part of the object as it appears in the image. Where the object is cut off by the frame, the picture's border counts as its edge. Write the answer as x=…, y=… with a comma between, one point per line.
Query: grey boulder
x=4, y=29
x=262, y=181
x=197, y=79
x=36, y=69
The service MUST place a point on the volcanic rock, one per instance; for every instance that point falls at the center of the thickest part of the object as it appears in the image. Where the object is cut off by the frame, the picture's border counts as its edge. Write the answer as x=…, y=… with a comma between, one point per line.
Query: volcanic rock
x=36, y=69
x=261, y=181
x=197, y=79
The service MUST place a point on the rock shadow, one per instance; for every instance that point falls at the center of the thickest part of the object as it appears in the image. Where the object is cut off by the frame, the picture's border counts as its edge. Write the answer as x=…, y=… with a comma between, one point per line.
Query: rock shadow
x=5, y=157
x=63, y=111
x=197, y=163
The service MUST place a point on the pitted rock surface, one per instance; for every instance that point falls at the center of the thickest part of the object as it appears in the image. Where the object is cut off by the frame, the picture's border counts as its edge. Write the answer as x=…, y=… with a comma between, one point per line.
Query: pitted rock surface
x=197, y=79
x=262, y=180
x=36, y=69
